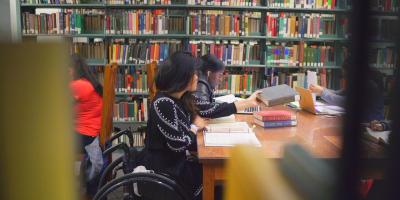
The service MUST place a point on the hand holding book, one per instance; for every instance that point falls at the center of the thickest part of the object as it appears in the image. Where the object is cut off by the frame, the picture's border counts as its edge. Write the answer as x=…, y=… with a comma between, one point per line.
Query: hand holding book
x=249, y=102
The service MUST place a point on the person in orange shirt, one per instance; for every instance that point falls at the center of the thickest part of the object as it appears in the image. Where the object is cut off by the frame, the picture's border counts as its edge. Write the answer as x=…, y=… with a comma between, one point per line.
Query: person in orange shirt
x=87, y=93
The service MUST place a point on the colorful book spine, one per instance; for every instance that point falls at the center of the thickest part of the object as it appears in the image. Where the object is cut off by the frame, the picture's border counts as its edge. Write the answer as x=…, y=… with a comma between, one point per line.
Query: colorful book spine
x=134, y=52
x=309, y=4
x=227, y=23
x=300, y=54
x=224, y=2
x=139, y=22
x=66, y=22
x=300, y=25
x=229, y=52
x=133, y=111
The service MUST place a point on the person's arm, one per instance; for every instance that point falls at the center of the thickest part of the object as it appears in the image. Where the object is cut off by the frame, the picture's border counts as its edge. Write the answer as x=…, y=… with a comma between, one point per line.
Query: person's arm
x=209, y=109
x=332, y=98
x=327, y=95
x=178, y=135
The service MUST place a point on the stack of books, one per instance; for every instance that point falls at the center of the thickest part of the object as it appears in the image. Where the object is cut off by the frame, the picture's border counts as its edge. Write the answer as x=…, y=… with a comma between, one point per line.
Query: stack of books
x=274, y=118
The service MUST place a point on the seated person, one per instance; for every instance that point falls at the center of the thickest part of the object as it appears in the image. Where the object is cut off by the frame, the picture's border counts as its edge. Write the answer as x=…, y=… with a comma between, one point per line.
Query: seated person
x=170, y=134
x=374, y=86
x=210, y=75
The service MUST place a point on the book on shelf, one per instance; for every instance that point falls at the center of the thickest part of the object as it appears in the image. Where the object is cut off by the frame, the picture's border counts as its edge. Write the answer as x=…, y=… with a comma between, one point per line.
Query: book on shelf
x=274, y=115
x=225, y=23
x=275, y=124
x=385, y=57
x=315, y=4
x=305, y=25
x=145, y=2
x=224, y=2
x=67, y=21
x=325, y=77
x=142, y=52
x=60, y=1
x=237, y=83
x=384, y=5
x=129, y=79
x=141, y=22
x=91, y=49
x=276, y=95
x=133, y=111
x=300, y=54
x=231, y=52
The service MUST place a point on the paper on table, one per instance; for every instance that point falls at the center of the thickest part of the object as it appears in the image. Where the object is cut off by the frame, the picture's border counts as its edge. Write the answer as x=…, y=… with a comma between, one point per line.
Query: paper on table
x=311, y=78
x=327, y=110
x=383, y=135
x=230, y=139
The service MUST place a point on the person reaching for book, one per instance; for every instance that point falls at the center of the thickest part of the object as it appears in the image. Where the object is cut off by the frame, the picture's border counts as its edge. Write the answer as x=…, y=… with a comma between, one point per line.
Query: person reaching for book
x=210, y=75
x=374, y=87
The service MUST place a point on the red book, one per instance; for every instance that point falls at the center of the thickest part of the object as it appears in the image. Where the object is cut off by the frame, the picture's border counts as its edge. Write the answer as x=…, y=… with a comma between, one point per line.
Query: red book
x=274, y=115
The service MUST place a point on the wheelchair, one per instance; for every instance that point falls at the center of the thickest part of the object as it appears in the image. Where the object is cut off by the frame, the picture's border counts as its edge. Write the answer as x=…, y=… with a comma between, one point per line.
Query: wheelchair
x=132, y=185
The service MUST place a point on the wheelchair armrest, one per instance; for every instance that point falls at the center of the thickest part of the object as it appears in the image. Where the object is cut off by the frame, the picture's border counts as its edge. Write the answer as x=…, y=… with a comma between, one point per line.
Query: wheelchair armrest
x=126, y=132
x=122, y=146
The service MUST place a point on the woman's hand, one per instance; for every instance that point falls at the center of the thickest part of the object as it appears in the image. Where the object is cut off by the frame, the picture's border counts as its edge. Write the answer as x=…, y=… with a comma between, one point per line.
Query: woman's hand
x=316, y=89
x=200, y=122
x=249, y=102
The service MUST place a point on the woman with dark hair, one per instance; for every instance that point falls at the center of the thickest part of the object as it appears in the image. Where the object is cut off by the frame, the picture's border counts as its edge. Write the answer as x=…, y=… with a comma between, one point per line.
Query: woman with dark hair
x=210, y=75
x=87, y=93
x=171, y=135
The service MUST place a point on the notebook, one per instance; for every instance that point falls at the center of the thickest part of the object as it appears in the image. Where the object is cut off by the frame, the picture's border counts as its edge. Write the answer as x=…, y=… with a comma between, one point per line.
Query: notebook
x=276, y=95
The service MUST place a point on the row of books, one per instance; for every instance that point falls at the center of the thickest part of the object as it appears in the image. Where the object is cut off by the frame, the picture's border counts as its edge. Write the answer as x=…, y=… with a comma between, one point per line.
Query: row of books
x=300, y=54
x=224, y=2
x=145, y=2
x=142, y=53
x=131, y=111
x=307, y=4
x=231, y=53
x=66, y=22
x=224, y=23
x=274, y=118
x=143, y=22
x=59, y=1
x=89, y=49
x=294, y=54
x=128, y=79
x=383, y=57
x=138, y=139
x=244, y=83
x=304, y=25
x=327, y=78
x=385, y=5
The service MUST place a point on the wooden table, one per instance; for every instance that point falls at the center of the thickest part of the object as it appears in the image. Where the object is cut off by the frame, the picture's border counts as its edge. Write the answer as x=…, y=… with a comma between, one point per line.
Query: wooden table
x=320, y=135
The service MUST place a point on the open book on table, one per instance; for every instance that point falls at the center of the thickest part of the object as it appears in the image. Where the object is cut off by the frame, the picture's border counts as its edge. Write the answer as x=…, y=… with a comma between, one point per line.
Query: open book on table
x=230, y=134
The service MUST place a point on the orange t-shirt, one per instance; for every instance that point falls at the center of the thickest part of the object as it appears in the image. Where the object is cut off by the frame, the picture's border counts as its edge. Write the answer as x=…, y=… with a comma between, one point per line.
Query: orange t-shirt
x=87, y=107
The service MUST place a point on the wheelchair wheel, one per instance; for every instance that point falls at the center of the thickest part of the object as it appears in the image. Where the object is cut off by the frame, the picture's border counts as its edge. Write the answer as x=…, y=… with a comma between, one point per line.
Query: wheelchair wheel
x=143, y=186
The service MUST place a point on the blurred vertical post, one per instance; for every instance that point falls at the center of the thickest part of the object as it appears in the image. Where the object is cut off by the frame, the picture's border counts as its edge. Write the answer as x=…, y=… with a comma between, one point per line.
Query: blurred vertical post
x=36, y=144
x=108, y=102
